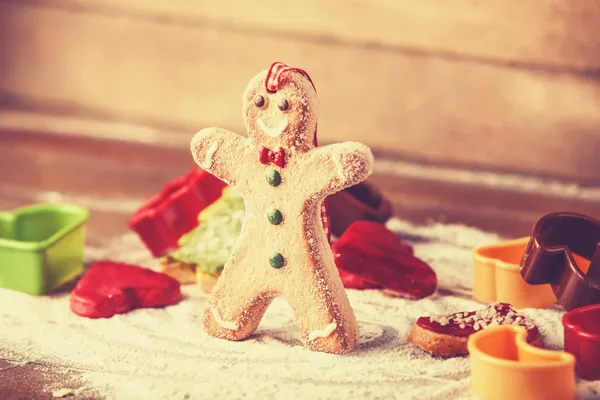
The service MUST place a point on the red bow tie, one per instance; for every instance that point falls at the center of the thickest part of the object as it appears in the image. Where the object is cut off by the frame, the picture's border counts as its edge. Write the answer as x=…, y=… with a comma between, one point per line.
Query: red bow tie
x=276, y=157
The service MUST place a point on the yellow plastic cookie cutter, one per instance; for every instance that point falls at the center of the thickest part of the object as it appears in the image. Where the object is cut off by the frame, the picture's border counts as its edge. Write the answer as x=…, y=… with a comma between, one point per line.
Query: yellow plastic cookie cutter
x=504, y=366
x=497, y=277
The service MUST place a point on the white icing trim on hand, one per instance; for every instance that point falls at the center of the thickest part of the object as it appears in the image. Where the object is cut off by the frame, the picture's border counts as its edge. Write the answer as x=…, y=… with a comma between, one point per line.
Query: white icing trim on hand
x=208, y=157
x=339, y=167
x=328, y=330
x=276, y=130
x=234, y=326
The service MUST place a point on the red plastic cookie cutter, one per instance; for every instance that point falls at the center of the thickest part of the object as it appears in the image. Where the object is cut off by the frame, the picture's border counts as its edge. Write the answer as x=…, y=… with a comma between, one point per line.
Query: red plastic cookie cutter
x=110, y=288
x=173, y=212
x=582, y=339
x=368, y=256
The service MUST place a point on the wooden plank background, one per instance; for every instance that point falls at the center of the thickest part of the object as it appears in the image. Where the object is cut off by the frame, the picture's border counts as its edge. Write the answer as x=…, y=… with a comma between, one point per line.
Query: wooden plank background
x=113, y=177
x=496, y=85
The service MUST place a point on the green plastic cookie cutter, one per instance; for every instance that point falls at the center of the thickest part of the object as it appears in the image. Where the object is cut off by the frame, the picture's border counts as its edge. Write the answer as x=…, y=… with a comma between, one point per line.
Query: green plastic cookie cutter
x=41, y=247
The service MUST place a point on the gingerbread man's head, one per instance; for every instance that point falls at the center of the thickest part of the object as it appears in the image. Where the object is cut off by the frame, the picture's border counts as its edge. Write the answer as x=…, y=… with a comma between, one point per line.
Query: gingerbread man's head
x=280, y=108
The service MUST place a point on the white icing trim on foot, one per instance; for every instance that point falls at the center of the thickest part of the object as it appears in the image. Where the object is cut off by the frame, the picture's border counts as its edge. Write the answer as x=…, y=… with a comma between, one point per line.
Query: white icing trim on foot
x=328, y=330
x=234, y=326
x=208, y=157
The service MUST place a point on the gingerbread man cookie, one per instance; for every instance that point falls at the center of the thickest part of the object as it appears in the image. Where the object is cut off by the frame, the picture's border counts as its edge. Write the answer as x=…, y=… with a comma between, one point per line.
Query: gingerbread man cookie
x=284, y=178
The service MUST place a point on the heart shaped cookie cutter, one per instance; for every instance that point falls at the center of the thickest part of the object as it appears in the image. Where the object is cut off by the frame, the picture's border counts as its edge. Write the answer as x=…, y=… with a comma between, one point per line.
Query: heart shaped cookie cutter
x=564, y=251
x=110, y=288
x=41, y=247
x=173, y=212
x=582, y=339
x=371, y=252
x=505, y=366
x=497, y=276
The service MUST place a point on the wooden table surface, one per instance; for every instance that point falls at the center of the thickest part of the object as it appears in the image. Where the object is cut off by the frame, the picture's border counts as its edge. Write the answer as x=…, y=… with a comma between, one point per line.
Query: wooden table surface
x=112, y=177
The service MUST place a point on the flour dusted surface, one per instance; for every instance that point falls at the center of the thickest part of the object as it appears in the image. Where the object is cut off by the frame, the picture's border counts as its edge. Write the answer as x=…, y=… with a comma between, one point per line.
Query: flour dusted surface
x=165, y=354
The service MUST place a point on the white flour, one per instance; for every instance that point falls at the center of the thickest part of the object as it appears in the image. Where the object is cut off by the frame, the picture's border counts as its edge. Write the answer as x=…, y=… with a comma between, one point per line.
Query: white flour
x=164, y=353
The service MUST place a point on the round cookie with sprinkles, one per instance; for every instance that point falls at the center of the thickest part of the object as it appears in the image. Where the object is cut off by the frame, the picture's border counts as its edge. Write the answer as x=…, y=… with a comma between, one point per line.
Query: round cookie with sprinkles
x=284, y=178
x=447, y=335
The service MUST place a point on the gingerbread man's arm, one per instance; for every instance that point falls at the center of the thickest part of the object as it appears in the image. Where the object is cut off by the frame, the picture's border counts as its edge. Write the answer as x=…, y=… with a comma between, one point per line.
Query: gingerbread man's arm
x=338, y=166
x=222, y=153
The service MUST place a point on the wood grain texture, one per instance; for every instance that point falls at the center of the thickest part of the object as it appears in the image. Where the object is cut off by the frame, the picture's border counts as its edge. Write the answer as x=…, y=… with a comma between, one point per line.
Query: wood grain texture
x=113, y=178
x=542, y=34
x=24, y=381
x=422, y=107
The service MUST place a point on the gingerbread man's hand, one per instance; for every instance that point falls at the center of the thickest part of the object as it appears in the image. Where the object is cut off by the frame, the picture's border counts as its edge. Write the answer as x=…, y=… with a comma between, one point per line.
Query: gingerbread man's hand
x=338, y=166
x=222, y=153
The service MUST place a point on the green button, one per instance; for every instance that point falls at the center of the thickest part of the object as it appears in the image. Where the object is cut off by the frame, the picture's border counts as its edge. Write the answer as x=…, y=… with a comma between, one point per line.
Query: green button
x=276, y=260
x=274, y=216
x=273, y=177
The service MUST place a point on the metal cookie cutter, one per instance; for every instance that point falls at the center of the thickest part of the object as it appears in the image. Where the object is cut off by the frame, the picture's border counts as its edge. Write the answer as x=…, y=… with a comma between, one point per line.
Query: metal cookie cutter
x=41, y=247
x=564, y=251
x=497, y=277
x=505, y=366
x=582, y=339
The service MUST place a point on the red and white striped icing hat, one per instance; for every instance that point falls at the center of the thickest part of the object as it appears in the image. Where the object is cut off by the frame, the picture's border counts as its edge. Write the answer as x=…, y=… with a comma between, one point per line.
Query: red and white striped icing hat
x=273, y=81
x=276, y=72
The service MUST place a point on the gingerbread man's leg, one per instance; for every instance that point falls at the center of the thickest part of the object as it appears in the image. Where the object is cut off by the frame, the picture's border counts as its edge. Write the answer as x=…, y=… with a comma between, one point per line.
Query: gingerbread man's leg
x=323, y=313
x=233, y=312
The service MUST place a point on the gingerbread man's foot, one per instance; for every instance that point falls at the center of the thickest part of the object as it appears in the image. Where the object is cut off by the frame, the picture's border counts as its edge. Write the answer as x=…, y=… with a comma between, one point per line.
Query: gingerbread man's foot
x=322, y=327
x=236, y=320
x=331, y=339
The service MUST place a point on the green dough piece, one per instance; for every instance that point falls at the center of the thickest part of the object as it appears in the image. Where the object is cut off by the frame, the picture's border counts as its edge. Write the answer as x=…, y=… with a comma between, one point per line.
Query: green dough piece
x=210, y=244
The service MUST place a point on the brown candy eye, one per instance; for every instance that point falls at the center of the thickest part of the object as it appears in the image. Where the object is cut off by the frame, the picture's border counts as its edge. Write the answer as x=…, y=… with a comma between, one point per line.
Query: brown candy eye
x=259, y=101
x=283, y=104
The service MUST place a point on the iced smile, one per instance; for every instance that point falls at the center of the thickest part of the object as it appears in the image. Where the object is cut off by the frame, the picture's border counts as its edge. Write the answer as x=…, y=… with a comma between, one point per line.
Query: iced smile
x=274, y=131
